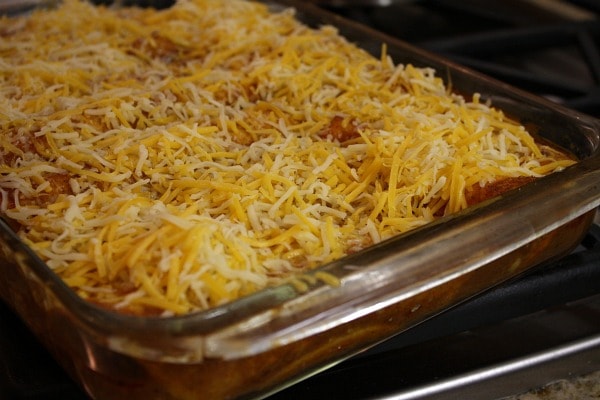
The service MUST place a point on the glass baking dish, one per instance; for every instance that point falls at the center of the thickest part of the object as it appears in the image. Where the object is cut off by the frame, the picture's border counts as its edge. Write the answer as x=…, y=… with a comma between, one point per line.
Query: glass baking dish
x=266, y=341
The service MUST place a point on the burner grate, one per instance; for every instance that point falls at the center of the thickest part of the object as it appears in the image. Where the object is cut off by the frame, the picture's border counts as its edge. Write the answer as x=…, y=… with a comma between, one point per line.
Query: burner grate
x=561, y=61
x=551, y=51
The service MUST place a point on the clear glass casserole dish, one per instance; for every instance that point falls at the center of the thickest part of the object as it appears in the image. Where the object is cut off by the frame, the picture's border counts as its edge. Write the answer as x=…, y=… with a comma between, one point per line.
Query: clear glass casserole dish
x=275, y=337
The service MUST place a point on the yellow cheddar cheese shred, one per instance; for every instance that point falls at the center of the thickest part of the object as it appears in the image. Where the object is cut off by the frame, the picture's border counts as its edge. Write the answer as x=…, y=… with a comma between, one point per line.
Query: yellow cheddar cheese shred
x=168, y=161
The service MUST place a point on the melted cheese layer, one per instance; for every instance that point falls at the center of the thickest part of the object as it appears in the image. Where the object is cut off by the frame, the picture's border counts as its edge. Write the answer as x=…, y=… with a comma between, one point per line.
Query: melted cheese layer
x=171, y=161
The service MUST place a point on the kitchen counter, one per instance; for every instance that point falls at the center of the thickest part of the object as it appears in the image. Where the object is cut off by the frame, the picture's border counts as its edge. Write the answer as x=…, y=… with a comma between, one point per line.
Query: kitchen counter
x=585, y=387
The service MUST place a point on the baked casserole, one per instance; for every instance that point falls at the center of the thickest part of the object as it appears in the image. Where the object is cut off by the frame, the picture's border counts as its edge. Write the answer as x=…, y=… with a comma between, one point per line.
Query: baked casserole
x=168, y=161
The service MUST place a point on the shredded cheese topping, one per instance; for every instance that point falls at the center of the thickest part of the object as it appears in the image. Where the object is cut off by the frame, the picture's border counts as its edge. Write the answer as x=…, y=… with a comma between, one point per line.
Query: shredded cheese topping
x=171, y=161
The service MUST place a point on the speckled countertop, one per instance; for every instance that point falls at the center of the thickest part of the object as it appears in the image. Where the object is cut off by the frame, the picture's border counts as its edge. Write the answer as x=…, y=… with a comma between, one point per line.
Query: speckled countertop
x=586, y=387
